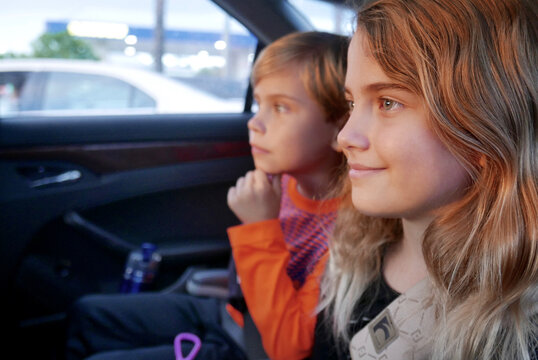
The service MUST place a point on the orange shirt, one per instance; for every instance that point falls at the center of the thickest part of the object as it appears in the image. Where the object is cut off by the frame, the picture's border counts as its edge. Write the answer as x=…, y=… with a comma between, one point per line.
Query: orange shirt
x=282, y=311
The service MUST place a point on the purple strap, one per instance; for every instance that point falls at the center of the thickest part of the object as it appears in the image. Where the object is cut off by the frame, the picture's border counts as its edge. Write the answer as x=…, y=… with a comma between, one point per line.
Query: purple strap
x=188, y=337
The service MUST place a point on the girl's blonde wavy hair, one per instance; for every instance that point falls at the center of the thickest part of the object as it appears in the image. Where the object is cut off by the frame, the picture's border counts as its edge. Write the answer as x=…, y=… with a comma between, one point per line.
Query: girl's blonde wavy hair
x=474, y=62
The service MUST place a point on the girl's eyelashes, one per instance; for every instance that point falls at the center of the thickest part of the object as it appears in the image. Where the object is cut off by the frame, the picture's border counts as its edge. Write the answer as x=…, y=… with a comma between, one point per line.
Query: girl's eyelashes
x=350, y=105
x=385, y=104
x=389, y=104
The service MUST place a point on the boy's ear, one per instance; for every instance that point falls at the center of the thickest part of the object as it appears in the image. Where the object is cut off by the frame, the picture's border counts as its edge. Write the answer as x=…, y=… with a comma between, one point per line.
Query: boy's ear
x=334, y=142
x=482, y=161
x=338, y=126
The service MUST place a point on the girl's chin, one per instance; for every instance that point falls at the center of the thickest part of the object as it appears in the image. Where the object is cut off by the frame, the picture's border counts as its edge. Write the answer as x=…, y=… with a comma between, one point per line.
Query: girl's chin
x=373, y=209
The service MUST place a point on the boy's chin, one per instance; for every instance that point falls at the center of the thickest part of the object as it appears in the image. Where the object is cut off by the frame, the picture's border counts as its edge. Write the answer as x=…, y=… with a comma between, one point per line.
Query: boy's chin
x=267, y=169
x=269, y=173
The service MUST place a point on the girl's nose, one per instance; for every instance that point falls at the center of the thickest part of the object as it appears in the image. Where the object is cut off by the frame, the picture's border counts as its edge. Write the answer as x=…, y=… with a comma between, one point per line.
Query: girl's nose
x=354, y=134
x=256, y=124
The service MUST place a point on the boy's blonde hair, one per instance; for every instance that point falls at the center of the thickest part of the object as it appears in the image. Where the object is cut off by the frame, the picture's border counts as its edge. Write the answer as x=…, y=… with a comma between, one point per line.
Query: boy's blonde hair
x=474, y=62
x=321, y=59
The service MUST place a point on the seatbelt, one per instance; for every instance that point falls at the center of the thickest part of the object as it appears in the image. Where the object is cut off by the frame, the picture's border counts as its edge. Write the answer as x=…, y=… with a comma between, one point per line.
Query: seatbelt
x=251, y=341
x=402, y=330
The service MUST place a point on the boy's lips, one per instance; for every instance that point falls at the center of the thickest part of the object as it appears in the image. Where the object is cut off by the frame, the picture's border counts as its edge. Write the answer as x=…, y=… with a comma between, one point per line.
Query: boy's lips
x=258, y=150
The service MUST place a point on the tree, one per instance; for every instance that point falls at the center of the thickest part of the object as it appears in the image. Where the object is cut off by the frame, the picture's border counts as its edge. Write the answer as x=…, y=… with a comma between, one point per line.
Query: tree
x=12, y=55
x=62, y=45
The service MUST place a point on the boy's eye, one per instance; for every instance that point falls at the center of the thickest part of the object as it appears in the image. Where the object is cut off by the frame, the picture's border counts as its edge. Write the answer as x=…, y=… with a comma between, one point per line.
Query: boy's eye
x=281, y=108
x=388, y=104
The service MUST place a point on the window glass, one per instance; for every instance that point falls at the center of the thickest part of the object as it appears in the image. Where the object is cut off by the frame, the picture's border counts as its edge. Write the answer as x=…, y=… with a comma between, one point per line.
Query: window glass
x=141, y=100
x=11, y=85
x=326, y=16
x=193, y=44
x=82, y=91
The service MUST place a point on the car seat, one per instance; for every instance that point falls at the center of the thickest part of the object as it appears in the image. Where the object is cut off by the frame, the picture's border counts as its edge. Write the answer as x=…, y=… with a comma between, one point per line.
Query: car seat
x=214, y=283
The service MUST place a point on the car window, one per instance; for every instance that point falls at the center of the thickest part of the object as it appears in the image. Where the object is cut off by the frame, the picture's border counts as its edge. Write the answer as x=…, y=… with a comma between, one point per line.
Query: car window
x=138, y=99
x=75, y=91
x=327, y=16
x=11, y=84
x=204, y=55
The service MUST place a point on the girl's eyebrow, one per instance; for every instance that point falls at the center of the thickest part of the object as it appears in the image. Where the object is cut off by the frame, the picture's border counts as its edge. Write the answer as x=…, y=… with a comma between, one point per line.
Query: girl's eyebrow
x=380, y=86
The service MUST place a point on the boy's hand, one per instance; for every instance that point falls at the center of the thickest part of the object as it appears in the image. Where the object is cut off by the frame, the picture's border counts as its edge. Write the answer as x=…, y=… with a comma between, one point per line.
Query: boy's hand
x=254, y=197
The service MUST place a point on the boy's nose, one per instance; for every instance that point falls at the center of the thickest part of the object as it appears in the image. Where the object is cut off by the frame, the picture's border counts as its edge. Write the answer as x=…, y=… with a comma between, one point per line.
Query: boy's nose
x=256, y=124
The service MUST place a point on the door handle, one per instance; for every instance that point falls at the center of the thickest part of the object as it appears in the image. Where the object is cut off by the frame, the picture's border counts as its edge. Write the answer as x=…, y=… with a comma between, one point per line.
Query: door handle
x=70, y=175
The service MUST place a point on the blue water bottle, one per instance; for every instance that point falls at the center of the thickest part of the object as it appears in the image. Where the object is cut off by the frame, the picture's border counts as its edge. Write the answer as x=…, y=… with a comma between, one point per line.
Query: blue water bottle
x=141, y=268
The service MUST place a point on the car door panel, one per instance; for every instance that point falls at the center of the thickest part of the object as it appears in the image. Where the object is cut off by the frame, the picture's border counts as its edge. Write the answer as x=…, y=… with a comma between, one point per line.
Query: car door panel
x=137, y=183
x=78, y=192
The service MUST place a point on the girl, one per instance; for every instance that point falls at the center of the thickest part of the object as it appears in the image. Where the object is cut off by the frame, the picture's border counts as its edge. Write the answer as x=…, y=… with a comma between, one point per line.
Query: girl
x=442, y=154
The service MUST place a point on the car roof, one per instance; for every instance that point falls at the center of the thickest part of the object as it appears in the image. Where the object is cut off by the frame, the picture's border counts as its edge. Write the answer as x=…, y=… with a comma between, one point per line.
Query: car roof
x=269, y=20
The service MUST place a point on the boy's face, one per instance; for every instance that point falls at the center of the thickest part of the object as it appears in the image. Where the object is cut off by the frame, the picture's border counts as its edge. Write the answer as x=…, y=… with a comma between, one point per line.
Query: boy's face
x=289, y=133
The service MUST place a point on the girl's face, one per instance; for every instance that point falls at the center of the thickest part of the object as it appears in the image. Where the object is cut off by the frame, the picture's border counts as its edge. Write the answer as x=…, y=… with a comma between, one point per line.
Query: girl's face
x=398, y=166
x=289, y=132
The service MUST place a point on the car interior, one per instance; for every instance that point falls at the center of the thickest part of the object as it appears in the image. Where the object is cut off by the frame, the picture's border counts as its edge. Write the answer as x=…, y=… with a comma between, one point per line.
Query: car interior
x=78, y=193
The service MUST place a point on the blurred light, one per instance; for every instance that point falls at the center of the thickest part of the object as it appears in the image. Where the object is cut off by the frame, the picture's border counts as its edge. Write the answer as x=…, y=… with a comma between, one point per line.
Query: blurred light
x=220, y=45
x=131, y=39
x=203, y=53
x=170, y=60
x=144, y=58
x=129, y=51
x=250, y=57
x=96, y=29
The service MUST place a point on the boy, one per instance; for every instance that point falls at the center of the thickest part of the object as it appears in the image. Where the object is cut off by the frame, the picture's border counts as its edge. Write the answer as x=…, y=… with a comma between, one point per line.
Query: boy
x=280, y=248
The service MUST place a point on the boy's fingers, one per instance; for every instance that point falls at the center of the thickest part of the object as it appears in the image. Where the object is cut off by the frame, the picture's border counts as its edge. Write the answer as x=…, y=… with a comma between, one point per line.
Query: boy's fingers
x=249, y=180
x=230, y=197
x=260, y=177
x=240, y=182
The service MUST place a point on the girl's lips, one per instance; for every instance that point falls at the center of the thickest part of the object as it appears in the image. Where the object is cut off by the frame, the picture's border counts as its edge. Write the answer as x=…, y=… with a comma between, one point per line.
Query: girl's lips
x=359, y=170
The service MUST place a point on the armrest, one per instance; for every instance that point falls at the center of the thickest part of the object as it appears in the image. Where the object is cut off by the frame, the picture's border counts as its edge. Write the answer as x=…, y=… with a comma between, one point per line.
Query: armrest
x=209, y=282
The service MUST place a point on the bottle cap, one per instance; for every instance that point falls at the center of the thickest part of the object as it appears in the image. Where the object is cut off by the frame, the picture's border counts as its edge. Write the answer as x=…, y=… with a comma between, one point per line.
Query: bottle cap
x=147, y=250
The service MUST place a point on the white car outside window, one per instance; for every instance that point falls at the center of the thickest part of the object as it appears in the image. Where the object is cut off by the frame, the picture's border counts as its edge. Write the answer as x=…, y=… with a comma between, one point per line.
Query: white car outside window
x=195, y=42
x=74, y=87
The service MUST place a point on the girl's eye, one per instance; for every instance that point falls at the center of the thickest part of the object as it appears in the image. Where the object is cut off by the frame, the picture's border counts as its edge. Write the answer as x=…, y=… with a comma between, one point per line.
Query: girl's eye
x=350, y=104
x=388, y=104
